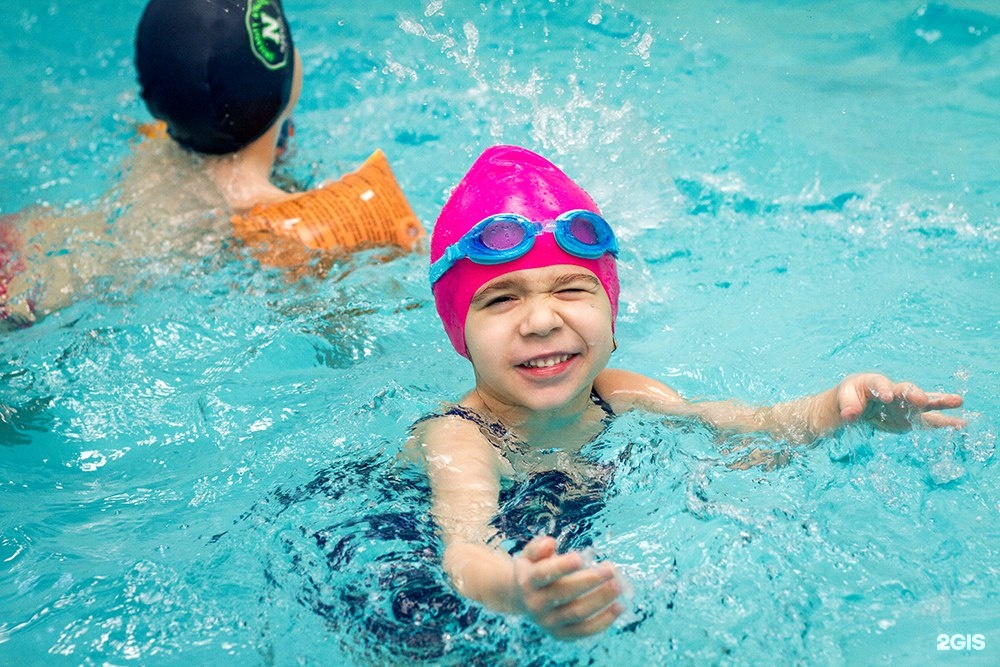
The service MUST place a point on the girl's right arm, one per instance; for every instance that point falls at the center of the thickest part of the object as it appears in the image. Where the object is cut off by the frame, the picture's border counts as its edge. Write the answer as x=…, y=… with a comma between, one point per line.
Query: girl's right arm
x=560, y=592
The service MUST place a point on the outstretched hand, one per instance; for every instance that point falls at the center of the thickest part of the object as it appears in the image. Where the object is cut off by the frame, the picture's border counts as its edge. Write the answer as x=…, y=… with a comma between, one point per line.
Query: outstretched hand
x=564, y=595
x=893, y=406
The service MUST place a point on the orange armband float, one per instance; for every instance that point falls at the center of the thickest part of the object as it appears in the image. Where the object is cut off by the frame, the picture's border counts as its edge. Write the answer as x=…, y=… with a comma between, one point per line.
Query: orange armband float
x=362, y=209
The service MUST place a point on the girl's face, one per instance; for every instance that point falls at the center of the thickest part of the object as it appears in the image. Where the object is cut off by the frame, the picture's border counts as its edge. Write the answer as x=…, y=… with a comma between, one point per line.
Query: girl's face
x=538, y=338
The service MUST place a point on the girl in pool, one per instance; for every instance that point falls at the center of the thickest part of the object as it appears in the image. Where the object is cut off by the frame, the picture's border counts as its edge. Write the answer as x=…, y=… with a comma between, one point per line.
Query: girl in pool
x=524, y=278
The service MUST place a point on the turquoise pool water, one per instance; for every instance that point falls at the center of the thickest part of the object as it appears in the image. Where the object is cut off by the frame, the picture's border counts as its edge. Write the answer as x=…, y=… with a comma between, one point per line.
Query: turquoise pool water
x=200, y=470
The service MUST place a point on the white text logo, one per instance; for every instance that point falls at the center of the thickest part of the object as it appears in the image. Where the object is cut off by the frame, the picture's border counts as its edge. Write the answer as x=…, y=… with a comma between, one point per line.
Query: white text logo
x=961, y=642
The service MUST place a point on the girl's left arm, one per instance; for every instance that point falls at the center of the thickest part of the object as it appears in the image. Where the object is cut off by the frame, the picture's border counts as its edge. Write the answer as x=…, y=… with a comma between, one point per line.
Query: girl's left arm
x=865, y=397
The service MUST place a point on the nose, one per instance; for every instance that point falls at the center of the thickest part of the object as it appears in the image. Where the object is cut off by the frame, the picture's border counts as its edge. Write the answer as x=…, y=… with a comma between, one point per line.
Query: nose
x=541, y=317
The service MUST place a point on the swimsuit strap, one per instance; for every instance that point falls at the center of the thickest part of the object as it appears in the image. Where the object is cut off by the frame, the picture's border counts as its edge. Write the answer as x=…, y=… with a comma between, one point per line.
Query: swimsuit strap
x=494, y=431
x=489, y=427
x=602, y=404
x=498, y=429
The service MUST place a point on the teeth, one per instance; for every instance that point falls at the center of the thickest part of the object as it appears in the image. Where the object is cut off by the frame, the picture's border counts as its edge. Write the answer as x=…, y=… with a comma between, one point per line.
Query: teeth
x=545, y=362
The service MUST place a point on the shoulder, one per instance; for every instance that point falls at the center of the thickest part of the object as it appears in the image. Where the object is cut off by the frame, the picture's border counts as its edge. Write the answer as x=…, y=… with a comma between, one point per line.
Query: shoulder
x=626, y=390
x=442, y=428
x=452, y=437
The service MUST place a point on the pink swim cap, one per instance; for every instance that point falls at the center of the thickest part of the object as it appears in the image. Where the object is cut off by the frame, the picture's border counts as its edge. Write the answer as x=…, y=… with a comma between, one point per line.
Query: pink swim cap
x=508, y=179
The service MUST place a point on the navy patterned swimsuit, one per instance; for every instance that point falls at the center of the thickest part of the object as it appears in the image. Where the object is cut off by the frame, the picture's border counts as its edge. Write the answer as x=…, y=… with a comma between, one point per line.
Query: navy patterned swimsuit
x=552, y=502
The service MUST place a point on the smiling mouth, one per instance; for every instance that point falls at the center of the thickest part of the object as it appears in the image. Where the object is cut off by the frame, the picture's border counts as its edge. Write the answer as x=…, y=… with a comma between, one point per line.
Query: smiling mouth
x=547, y=362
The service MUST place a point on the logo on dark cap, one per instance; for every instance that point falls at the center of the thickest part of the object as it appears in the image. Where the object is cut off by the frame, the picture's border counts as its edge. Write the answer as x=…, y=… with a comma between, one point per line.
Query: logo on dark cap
x=268, y=33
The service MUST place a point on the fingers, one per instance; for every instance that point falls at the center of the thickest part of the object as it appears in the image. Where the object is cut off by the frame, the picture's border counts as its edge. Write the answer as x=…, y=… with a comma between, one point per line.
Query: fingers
x=557, y=590
x=893, y=405
x=943, y=401
x=540, y=547
x=582, y=603
x=577, y=619
x=940, y=420
x=562, y=594
x=554, y=568
x=908, y=393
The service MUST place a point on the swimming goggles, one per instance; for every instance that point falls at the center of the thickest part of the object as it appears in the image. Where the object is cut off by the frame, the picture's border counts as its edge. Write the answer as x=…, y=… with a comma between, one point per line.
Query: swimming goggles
x=504, y=237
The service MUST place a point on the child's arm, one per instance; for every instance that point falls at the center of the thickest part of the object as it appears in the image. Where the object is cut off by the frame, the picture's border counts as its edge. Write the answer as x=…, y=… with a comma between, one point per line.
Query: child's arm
x=560, y=592
x=868, y=397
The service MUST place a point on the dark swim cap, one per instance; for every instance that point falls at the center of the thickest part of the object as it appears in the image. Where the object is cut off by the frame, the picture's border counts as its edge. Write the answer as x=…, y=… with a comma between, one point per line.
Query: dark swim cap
x=218, y=72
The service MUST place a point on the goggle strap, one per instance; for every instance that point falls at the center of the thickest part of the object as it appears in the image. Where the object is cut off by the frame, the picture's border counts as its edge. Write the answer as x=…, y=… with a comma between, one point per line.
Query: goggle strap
x=605, y=240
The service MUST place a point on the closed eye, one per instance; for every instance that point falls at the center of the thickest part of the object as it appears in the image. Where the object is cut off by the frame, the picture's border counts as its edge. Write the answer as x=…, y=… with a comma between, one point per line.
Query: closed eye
x=498, y=300
x=578, y=288
x=577, y=282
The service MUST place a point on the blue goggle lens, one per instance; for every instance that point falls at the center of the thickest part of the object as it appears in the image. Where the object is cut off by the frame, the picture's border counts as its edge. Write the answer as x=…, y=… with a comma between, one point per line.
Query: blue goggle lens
x=582, y=229
x=585, y=234
x=502, y=235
